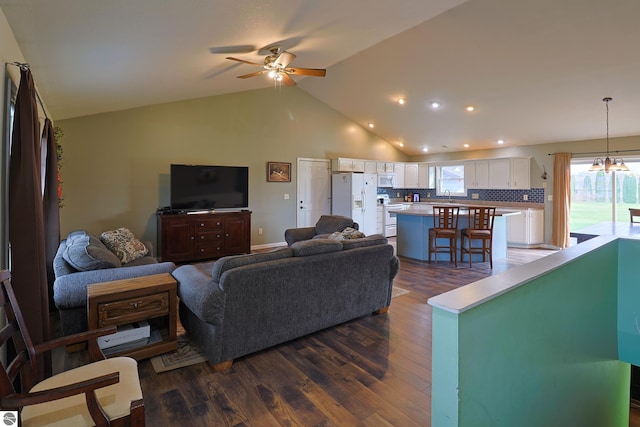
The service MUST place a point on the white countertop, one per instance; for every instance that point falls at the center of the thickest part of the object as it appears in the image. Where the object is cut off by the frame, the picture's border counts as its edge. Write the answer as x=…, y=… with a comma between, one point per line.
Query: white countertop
x=424, y=209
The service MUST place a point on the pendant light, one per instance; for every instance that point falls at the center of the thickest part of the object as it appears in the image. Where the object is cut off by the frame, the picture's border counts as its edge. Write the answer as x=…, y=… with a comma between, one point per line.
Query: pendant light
x=608, y=164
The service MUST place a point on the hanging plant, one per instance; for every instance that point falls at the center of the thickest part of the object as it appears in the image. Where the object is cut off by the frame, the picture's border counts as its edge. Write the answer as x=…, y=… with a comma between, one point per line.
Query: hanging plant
x=58, y=133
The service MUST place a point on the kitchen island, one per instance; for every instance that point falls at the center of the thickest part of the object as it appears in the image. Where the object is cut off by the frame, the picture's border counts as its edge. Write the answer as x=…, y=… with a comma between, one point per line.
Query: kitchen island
x=413, y=224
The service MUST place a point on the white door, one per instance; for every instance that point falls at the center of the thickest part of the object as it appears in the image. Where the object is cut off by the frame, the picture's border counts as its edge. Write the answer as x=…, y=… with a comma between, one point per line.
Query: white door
x=313, y=191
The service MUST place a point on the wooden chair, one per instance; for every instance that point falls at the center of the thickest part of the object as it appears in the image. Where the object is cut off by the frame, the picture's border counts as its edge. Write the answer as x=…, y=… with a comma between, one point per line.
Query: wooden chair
x=634, y=213
x=445, y=226
x=103, y=393
x=480, y=228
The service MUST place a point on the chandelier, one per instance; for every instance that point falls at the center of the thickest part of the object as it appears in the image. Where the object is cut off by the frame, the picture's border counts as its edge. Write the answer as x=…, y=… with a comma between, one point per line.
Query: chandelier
x=608, y=164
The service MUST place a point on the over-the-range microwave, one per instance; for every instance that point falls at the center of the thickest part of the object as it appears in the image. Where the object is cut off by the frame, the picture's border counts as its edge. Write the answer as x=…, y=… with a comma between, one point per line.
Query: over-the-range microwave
x=386, y=179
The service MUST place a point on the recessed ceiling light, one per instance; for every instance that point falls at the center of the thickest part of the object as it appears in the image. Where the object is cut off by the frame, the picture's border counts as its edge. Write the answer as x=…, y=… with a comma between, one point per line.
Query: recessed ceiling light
x=371, y=125
x=435, y=104
x=425, y=149
x=471, y=108
x=500, y=141
x=400, y=144
x=466, y=145
x=401, y=101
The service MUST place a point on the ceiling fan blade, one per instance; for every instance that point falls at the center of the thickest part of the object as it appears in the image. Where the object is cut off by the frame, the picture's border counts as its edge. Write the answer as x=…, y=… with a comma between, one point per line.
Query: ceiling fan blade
x=287, y=81
x=243, y=61
x=257, y=73
x=317, y=72
x=284, y=59
x=243, y=48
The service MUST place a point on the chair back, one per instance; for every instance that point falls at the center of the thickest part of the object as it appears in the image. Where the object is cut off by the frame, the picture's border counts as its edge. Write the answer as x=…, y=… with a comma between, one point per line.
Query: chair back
x=24, y=364
x=481, y=217
x=633, y=213
x=446, y=217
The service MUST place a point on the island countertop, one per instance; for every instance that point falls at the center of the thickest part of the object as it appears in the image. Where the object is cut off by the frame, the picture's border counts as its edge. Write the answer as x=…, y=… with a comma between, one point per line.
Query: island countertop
x=425, y=209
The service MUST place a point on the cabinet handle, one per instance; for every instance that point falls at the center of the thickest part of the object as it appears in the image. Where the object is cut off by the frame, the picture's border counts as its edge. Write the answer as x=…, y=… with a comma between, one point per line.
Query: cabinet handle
x=202, y=237
x=192, y=237
x=227, y=234
x=202, y=224
x=135, y=304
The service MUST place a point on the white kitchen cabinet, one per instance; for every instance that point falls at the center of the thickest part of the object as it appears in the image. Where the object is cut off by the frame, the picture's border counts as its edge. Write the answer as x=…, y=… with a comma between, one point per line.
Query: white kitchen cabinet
x=526, y=229
x=380, y=219
x=410, y=175
x=511, y=173
x=342, y=164
x=426, y=175
x=384, y=167
x=499, y=173
x=476, y=174
x=370, y=166
x=398, y=170
x=520, y=173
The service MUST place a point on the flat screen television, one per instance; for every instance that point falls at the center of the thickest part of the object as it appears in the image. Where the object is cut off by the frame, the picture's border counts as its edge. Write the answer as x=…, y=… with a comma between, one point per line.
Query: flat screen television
x=201, y=187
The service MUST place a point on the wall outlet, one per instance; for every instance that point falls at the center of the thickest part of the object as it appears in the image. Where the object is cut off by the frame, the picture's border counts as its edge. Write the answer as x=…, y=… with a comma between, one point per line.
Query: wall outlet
x=428, y=195
x=544, y=185
x=525, y=197
x=286, y=197
x=260, y=230
x=398, y=194
x=475, y=196
x=550, y=197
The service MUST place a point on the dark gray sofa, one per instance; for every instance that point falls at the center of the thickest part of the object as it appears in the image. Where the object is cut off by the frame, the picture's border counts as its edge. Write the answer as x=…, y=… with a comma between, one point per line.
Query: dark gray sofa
x=91, y=262
x=242, y=304
x=326, y=225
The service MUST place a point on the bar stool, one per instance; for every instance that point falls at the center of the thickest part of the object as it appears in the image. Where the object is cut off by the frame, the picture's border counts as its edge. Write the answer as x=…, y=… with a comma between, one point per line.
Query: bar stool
x=633, y=213
x=480, y=228
x=445, y=226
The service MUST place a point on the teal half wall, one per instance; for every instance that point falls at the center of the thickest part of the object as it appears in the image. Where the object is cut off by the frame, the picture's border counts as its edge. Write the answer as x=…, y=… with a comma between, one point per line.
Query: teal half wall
x=545, y=344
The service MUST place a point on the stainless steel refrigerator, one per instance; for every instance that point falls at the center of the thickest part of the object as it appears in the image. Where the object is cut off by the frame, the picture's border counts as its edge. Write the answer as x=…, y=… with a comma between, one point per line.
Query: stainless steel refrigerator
x=354, y=195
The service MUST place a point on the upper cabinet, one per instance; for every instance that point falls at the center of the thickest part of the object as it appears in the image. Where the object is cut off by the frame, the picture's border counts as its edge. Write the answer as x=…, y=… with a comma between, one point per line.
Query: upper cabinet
x=370, y=166
x=398, y=170
x=476, y=174
x=411, y=175
x=426, y=175
x=347, y=165
x=384, y=167
x=511, y=173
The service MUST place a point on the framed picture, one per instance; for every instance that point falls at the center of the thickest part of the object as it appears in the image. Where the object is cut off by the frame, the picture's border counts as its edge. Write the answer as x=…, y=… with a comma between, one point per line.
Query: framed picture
x=278, y=172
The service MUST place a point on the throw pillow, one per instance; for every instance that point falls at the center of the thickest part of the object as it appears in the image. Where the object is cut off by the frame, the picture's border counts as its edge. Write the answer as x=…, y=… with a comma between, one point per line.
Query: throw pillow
x=346, y=234
x=85, y=252
x=124, y=244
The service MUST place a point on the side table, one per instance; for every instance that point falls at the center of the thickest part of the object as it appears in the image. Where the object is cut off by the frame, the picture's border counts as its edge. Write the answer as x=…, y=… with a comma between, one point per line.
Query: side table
x=152, y=298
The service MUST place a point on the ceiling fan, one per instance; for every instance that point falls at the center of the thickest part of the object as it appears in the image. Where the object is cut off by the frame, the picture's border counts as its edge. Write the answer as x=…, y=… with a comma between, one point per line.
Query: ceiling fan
x=276, y=66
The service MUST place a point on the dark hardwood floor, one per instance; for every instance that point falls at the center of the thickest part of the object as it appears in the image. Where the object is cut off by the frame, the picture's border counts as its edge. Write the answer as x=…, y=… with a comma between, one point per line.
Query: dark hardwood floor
x=372, y=371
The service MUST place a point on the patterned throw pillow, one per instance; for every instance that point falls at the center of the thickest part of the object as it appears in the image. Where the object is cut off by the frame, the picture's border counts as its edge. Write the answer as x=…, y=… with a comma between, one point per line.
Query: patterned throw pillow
x=123, y=243
x=346, y=234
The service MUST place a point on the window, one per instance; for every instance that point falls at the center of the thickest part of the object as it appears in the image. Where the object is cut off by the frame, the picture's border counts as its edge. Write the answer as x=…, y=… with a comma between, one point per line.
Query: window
x=450, y=180
x=593, y=199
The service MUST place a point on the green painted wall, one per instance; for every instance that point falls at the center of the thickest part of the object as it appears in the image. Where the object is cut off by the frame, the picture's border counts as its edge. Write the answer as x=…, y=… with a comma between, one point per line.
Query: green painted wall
x=116, y=165
x=543, y=354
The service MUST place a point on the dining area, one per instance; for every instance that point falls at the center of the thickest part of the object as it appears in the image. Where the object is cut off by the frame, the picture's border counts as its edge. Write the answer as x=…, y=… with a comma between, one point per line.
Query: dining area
x=453, y=233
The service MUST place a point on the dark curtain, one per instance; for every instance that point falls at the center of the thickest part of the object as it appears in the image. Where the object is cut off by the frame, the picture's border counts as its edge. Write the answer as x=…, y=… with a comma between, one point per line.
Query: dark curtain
x=51, y=205
x=26, y=225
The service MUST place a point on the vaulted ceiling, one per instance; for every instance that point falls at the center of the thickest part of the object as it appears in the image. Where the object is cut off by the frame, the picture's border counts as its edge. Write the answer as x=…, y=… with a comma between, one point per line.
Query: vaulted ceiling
x=535, y=71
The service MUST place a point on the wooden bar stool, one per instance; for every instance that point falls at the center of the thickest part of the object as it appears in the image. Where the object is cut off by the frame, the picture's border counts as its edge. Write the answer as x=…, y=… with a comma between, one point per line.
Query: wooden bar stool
x=445, y=226
x=480, y=228
x=634, y=213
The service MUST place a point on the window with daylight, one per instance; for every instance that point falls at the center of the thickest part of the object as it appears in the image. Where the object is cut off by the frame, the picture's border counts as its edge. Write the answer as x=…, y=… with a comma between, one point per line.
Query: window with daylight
x=450, y=180
x=599, y=197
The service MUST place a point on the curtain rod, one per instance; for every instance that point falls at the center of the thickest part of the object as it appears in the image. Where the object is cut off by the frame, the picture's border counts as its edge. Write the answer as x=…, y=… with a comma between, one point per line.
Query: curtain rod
x=25, y=66
x=636, y=150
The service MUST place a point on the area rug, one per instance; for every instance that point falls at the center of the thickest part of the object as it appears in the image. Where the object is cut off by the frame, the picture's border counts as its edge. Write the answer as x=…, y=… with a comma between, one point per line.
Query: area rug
x=396, y=292
x=187, y=354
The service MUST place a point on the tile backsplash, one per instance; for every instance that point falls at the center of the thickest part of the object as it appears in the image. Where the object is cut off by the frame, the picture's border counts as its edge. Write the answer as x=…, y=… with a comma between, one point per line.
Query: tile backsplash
x=534, y=195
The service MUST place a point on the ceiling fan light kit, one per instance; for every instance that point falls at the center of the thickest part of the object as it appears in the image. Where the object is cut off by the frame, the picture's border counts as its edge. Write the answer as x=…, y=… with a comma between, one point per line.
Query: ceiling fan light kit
x=276, y=67
x=608, y=164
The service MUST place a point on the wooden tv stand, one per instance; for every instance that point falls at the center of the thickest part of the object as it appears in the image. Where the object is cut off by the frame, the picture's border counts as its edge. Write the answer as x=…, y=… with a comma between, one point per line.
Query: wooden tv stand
x=193, y=237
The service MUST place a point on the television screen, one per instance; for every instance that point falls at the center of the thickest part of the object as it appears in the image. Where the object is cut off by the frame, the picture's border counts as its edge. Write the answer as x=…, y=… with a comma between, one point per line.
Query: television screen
x=198, y=187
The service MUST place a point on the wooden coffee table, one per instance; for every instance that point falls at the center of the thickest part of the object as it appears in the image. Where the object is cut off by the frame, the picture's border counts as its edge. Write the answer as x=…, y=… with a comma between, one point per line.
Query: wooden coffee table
x=152, y=298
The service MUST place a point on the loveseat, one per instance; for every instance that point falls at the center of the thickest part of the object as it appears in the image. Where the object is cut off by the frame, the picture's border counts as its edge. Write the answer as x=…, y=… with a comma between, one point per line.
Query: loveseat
x=82, y=259
x=326, y=225
x=241, y=304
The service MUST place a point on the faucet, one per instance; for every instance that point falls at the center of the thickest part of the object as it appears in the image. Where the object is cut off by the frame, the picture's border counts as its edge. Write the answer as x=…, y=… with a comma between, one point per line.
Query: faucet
x=448, y=193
